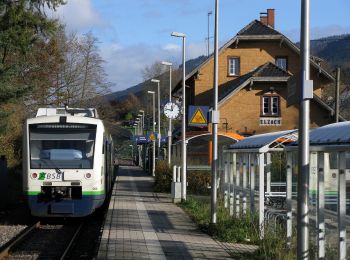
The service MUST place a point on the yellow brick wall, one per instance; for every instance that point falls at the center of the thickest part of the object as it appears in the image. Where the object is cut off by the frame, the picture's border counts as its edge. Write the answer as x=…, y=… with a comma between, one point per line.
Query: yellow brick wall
x=243, y=110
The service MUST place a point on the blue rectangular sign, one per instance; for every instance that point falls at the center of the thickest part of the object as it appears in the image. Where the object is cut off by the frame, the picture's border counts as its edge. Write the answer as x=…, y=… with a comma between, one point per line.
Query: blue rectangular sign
x=198, y=115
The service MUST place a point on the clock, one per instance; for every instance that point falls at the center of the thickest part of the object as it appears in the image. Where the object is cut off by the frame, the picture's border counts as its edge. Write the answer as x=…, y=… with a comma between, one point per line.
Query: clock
x=171, y=110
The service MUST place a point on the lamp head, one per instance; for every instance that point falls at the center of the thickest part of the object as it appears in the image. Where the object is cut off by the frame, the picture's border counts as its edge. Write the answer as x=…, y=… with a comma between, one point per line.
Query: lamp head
x=167, y=63
x=155, y=80
x=178, y=34
x=150, y=92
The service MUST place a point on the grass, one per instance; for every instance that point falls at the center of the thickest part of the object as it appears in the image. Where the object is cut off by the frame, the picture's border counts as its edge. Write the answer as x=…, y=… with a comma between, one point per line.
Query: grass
x=239, y=230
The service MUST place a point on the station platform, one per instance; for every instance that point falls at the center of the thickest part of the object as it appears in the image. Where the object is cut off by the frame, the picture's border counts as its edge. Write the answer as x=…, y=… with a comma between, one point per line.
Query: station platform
x=141, y=224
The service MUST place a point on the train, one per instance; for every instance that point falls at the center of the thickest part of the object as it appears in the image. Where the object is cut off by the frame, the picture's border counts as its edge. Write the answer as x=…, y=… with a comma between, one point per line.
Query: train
x=68, y=162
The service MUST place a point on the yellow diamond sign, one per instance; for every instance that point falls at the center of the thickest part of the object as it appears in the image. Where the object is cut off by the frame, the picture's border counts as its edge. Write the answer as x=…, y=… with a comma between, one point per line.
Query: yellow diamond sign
x=152, y=137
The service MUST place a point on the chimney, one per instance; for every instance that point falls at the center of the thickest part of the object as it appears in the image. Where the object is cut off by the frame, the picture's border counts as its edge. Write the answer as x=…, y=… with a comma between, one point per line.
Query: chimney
x=271, y=17
x=268, y=18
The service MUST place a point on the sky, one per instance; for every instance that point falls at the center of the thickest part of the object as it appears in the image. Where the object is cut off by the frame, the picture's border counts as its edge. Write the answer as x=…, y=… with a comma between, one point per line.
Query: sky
x=133, y=34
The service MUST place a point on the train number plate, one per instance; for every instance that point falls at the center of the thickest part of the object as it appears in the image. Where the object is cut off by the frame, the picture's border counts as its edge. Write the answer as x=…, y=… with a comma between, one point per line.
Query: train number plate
x=46, y=176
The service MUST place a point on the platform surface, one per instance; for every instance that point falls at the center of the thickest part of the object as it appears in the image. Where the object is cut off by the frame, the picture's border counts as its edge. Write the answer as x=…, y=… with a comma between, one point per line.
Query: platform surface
x=141, y=224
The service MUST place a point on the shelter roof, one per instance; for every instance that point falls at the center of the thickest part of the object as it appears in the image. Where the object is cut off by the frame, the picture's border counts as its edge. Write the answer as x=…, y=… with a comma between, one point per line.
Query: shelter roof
x=207, y=136
x=265, y=142
x=337, y=133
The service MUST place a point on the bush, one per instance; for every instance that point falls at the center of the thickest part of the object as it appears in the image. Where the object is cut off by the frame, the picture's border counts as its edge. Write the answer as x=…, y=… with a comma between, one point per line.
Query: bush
x=198, y=182
x=163, y=177
x=241, y=230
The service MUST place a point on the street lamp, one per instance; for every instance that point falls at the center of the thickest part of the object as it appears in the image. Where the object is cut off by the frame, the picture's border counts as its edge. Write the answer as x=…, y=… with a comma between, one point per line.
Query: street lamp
x=158, y=135
x=132, y=153
x=209, y=14
x=143, y=119
x=215, y=119
x=137, y=120
x=169, y=130
x=184, y=178
x=154, y=142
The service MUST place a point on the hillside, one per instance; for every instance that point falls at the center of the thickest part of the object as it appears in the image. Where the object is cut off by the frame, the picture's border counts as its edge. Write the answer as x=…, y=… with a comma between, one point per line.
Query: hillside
x=335, y=50
x=138, y=89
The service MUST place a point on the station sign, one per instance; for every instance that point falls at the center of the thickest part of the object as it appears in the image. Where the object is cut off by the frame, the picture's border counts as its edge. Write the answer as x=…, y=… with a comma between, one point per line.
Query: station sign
x=141, y=139
x=270, y=121
x=198, y=115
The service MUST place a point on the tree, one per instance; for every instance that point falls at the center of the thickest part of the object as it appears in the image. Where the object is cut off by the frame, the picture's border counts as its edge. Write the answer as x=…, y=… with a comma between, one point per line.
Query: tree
x=71, y=72
x=22, y=23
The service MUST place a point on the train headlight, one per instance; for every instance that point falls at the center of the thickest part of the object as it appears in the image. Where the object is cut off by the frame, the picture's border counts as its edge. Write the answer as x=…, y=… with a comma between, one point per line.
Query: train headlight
x=34, y=175
x=88, y=175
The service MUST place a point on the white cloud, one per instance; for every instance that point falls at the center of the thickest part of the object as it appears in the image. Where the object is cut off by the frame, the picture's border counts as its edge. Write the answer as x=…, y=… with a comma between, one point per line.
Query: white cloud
x=124, y=64
x=80, y=15
x=171, y=47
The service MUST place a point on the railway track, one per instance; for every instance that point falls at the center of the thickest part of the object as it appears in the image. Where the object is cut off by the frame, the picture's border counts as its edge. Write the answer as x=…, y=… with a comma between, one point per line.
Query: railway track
x=43, y=241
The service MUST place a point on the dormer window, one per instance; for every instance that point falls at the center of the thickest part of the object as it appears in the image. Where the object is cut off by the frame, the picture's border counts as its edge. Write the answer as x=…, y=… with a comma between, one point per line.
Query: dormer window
x=282, y=62
x=233, y=66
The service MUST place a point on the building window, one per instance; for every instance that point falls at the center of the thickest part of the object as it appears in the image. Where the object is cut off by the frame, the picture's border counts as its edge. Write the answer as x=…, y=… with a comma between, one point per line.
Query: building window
x=233, y=66
x=282, y=62
x=270, y=106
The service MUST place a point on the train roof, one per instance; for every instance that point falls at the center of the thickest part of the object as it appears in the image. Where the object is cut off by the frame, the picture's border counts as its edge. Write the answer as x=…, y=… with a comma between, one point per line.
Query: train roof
x=79, y=112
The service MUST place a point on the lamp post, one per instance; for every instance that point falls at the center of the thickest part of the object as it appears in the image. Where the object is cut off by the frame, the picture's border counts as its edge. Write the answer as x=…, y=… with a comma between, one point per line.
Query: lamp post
x=138, y=125
x=135, y=125
x=215, y=118
x=132, y=153
x=209, y=14
x=141, y=123
x=170, y=128
x=143, y=120
x=184, y=178
x=158, y=135
x=154, y=142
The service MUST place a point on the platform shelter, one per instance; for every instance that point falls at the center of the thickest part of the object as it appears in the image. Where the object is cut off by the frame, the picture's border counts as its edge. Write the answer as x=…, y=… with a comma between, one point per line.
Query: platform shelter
x=247, y=162
x=329, y=179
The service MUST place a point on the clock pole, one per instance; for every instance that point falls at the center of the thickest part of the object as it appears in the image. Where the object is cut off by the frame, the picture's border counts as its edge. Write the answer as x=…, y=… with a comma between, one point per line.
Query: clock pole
x=170, y=127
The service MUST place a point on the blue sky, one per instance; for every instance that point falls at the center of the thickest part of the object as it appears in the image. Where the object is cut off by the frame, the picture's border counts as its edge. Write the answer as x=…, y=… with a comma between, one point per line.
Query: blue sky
x=134, y=34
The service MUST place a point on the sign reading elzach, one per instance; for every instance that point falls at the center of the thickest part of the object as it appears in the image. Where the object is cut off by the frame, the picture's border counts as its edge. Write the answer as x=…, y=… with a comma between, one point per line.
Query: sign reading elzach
x=270, y=121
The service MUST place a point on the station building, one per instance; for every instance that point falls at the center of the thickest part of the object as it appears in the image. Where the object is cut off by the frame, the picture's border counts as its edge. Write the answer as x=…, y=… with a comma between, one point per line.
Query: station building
x=254, y=69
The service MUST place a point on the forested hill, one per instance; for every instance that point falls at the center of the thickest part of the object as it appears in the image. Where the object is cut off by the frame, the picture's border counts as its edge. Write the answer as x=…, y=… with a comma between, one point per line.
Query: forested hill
x=335, y=50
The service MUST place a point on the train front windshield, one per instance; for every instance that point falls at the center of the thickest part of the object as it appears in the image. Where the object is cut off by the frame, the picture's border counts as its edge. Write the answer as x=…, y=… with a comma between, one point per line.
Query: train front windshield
x=62, y=146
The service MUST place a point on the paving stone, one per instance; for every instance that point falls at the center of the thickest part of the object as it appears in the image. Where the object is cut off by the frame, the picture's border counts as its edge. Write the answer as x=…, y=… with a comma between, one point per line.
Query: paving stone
x=141, y=224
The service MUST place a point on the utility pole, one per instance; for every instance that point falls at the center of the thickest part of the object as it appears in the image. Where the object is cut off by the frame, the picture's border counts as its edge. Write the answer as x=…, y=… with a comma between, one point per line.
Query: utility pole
x=304, y=127
x=215, y=118
x=337, y=89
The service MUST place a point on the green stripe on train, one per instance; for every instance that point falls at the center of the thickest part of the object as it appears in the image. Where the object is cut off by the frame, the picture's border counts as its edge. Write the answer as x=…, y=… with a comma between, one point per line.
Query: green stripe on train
x=32, y=193
x=101, y=192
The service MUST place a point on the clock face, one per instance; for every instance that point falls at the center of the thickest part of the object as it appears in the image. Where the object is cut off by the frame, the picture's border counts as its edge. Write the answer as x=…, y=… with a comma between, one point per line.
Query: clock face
x=171, y=110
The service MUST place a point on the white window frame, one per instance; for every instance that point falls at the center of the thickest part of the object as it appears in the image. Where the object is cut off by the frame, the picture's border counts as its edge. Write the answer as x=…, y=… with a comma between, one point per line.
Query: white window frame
x=271, y=100
x=280, y=65
x=236, y=66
